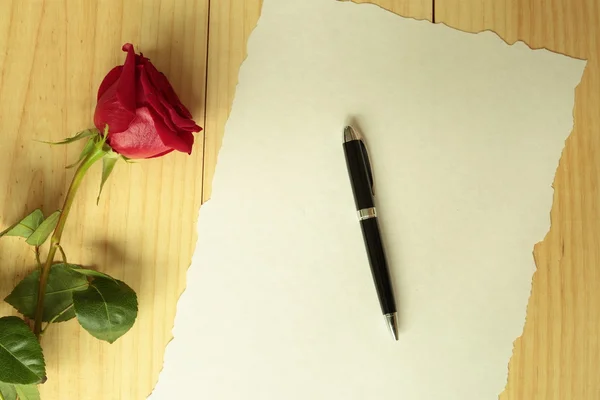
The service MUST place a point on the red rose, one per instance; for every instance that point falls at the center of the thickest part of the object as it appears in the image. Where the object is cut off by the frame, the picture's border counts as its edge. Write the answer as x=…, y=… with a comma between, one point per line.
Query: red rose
x=143, y=113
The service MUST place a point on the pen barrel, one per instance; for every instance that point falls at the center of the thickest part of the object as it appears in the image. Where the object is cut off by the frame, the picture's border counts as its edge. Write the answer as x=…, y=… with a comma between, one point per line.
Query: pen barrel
x=378, y=263
x=359, y=177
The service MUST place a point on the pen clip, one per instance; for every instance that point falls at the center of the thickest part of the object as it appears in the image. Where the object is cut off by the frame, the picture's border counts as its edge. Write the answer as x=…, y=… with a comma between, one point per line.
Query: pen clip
x=367, y=161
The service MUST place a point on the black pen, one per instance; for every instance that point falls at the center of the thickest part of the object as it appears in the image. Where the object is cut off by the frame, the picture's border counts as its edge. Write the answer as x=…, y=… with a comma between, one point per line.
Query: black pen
x=361, y=179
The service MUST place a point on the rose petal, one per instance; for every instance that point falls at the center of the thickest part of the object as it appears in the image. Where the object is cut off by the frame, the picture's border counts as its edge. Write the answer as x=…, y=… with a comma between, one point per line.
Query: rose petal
x=109, y=80
x=180, y=141
x=160, y=81
x=162, y=154
x=153, y=101
x=140, y=59
x=171, y=118
x=126, y=83
x=182, y=123
x=140, y=95
x=170, y=94
x=109, y=111
x=187, y=138
x=141, y=139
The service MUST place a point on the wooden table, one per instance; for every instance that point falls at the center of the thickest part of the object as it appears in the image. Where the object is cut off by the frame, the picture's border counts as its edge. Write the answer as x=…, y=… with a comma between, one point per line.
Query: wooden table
x=54, y=53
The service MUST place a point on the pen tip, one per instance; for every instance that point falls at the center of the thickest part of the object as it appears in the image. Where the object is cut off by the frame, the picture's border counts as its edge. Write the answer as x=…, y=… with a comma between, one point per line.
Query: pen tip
x=392, y=322
x=350, y=134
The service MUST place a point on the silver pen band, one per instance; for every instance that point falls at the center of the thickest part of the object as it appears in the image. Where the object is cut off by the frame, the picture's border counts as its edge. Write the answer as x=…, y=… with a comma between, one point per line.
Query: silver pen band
x=367, y=213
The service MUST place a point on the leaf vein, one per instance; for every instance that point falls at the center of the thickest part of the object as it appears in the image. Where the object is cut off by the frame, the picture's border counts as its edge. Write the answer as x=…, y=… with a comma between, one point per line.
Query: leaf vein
x=18, y=360
x=54, y=292
x=106, y=308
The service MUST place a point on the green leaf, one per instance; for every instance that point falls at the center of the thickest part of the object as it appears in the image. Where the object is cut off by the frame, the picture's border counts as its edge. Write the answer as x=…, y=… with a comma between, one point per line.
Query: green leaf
x=26, y=226
x=62, y=282
x=78, y=136
x=87, y=149
x=108, y=163
x=90, y=272
x=107, y=309
x=40, y=235
x=28, y=392
x=8, y=391
x=21, y=358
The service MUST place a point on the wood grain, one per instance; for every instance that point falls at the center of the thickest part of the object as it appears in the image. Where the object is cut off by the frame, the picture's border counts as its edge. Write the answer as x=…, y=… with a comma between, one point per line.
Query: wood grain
x=53, y=55
x=558, y=356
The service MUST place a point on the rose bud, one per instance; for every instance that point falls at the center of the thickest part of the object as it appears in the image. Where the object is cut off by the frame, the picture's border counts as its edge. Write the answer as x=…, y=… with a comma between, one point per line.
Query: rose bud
x=145, y=117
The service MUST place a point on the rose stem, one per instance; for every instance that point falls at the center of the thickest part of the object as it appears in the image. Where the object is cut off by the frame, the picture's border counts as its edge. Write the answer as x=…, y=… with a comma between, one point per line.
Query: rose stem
x=96, y=155
x=37, y=258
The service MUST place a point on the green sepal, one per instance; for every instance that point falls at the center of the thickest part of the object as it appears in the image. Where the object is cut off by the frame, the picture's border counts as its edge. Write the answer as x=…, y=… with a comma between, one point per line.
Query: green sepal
x=78, y=136
x=26, y=226
x=103, y=137
x=108, y=164
x=43, y=231
x=87, y=149
x=128, y=160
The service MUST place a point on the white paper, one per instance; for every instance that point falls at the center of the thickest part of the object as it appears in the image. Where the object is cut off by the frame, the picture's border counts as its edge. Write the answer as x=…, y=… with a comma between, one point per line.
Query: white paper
x=464, y=133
